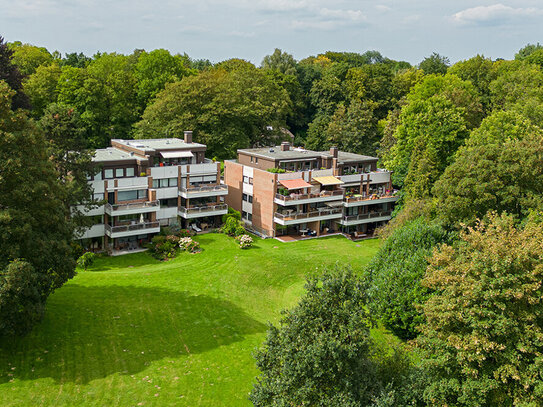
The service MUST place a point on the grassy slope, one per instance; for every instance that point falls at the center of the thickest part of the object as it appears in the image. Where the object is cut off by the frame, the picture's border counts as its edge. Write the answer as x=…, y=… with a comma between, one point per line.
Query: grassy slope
x=134, y=330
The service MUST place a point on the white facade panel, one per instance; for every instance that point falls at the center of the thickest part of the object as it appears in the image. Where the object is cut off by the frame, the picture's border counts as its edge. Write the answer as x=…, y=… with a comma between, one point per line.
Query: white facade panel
x=166, y=213
x=247, y=207
x=248, y=171
x=247, y=189
x=93, y=231
x=167, y=193
x=164, y=172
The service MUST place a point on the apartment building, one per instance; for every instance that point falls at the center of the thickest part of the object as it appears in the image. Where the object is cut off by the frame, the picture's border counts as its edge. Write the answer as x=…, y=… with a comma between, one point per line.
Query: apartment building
x=149, y=184
x=292, y=191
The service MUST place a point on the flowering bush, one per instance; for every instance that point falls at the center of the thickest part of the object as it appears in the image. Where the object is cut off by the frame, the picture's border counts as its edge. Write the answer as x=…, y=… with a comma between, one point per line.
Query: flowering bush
x=245, y=241
x=163, y=247
x=189, y=245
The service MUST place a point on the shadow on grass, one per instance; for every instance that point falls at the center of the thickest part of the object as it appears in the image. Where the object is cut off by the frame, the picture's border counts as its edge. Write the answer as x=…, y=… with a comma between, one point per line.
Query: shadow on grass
x=92, y=332
x=126, y=260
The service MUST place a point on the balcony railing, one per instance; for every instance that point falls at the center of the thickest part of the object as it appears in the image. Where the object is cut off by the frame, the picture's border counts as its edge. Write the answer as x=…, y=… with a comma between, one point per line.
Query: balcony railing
x=298, y=197
x=369, y=215
x=204, y=188
x=370, y=197
x=132, y=227
x=129, y=206
x=203, y=209
x=307, y=215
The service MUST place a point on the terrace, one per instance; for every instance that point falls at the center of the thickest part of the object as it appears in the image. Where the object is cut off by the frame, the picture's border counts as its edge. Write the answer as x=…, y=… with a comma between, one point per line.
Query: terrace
x=365, y=218
x=360, y=200
x=131, y=208
x=291, y=217
x=136, y=228
x=204, y=210
x=203, y=190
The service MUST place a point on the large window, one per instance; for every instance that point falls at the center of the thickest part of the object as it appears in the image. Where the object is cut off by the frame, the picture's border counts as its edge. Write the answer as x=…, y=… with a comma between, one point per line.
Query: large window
x=108, y=173
x=165, y=183
x=119, y=172
x=131, y=195
x=130, y=172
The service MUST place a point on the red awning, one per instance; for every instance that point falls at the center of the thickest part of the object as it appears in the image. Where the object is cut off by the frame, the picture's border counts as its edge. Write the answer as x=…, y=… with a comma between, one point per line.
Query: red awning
x=297, y=183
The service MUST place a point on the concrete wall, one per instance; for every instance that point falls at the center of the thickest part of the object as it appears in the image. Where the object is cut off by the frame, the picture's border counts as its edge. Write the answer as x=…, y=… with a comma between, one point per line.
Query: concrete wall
x=233, y=177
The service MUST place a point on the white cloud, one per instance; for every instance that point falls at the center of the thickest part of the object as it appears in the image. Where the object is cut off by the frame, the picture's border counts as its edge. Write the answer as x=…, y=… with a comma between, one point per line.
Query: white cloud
x=382, y=7
x=493, y=14
x=353, y=15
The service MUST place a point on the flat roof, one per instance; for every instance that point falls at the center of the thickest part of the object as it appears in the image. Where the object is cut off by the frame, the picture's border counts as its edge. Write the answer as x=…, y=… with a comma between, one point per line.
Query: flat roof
x=345, y=157
x=112, y=154
x=154, y=144
x=275, y=153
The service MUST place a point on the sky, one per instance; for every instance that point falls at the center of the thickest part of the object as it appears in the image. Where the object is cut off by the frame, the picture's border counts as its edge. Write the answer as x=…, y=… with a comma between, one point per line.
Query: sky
x=406, y=30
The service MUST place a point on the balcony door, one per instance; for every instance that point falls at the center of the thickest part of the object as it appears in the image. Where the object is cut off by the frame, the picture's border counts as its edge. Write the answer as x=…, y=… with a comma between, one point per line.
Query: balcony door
x=111, y=198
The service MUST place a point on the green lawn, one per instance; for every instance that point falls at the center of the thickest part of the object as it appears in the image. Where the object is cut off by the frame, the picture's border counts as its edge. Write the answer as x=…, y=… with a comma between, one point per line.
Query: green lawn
x=135, y=331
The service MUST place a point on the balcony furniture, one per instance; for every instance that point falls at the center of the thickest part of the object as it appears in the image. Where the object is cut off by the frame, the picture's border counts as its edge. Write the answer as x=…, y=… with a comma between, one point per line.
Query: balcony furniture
x=195, y=227
x=304, y=231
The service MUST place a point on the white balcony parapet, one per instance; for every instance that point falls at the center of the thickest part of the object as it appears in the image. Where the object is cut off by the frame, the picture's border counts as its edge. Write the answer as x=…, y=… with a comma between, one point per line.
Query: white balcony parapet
x=298, y=199
x=360, y=200
x=302, y=217
x=203, y=191
x=201, y=211
x=132, y=229
x=365, y=218
x=131, y=208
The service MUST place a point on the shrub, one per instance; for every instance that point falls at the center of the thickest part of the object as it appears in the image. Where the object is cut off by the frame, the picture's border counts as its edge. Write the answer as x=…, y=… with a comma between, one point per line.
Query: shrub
x=163, y=247
x=233, y=227
x=276, y=170
x=245, y=241
x=189, y=245
x=232, y=213
x=86, y=260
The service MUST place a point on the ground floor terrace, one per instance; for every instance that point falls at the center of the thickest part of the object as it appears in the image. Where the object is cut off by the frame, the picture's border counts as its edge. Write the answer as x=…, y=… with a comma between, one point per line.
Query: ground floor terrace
x=324, y=228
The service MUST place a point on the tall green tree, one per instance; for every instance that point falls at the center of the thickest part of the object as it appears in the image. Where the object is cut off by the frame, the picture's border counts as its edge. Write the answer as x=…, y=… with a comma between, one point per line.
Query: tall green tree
x=435, y=64
x=42, y=87
x=320, y=355
x=29, y=57
x=10, y=74
x=499, y=169
x=280, y=61
x=394, y=275
x=483, y=337
x=34, y=221
x=154, y=70
x=234, y=105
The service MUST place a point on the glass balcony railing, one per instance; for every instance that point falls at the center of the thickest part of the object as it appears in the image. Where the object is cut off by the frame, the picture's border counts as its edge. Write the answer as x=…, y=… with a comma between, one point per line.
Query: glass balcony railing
x=204, y=188
x=364, y=216
x=203, y=209
x=129, y=206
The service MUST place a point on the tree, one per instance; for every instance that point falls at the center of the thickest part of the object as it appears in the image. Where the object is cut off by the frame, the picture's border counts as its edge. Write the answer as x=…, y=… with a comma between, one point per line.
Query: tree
x=433, y=124
x=435, y=64
x=394, y=275
x=29, y=57
x=232, y=106
x=154, y=69
x=527, y=50
x=76, y=60
x=483, y=337
x=10, y=74
x=499, y=169
x=104, y=94
x=280, y=61
x=320, y=353
x=41, y=87
x=480, y=71
x=34, y=222
x=67, y=149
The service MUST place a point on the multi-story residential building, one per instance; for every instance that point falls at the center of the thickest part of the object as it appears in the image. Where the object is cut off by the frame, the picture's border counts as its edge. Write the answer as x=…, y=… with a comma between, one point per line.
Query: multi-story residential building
x=151, y=183
x=292, y=191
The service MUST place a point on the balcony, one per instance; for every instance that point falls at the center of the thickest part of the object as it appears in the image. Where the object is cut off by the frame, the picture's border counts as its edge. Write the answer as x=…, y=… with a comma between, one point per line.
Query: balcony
x=202, y=191
x=298, y=199
x=131, y=208
x=293, y=218
x=365, y=218
x=132, y=229
x=359, y=200
x=201, y=211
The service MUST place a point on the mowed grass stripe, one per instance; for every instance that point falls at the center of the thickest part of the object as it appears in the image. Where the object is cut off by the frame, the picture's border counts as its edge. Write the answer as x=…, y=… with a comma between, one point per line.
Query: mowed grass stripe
x=135, y=330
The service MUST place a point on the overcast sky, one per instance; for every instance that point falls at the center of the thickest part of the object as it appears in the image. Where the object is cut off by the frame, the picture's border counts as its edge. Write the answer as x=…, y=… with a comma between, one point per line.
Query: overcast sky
x=250, y=29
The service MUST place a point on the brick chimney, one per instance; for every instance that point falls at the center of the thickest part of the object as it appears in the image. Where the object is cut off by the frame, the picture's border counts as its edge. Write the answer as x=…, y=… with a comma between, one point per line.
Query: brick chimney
x=334, y=152
x=188, y=137
x=285, y=146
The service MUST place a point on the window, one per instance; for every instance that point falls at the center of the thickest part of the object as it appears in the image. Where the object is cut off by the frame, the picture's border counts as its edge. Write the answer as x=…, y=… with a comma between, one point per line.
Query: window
x=251, y=159
x=250, y=199
x=247, y=198
x=98, y=176
x=247, y=180
x=131, y=195
x=130, y=172
x=256, y=160
x=98, y=197
x=246, y=216
x=119, y=172
x=108, y=173
x=244, y=197
x=165, y=183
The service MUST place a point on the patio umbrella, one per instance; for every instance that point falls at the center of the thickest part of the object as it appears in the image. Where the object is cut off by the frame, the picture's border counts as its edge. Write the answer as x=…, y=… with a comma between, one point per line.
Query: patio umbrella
x=141, y=219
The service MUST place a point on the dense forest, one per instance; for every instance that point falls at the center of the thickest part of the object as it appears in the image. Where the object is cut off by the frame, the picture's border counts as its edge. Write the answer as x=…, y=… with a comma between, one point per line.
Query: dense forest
x=458, y=276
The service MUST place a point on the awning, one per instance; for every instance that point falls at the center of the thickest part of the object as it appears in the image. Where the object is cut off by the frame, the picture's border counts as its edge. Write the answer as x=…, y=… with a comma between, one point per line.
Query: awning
x=297, y=183
x=333, y=204
x=328, y=180
x=176, y=154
